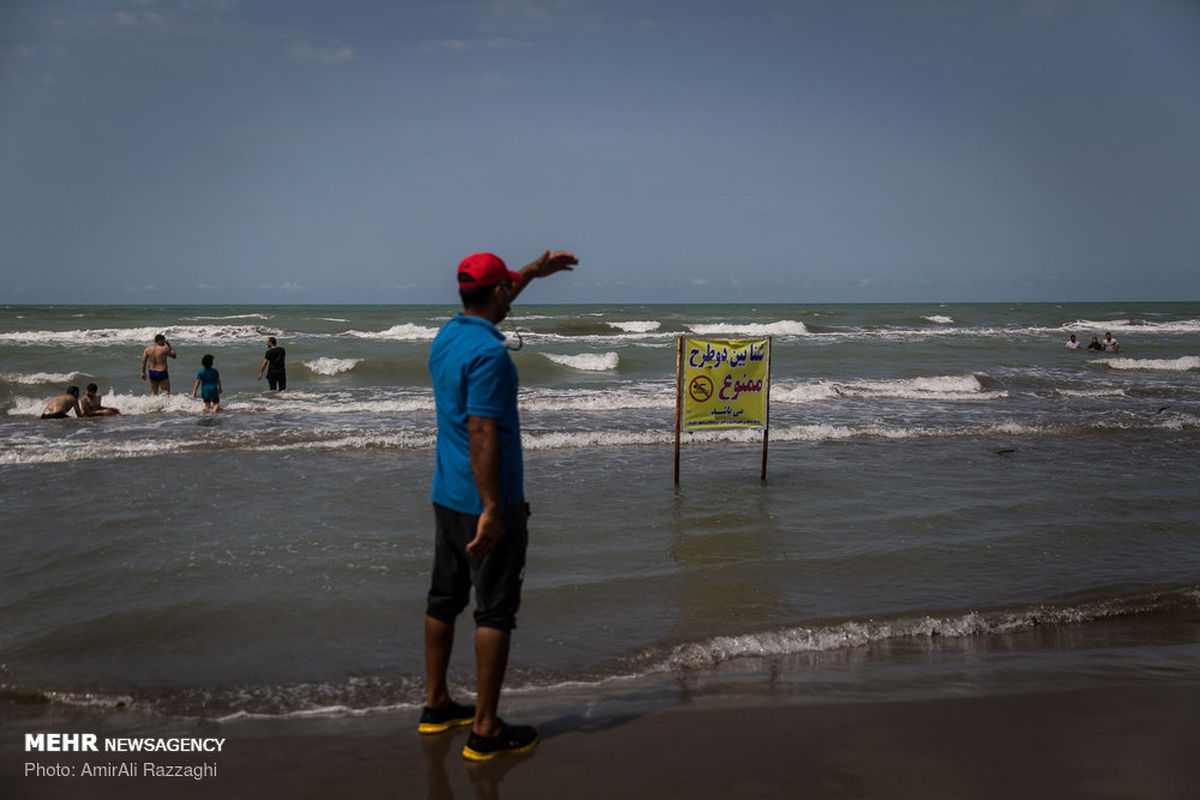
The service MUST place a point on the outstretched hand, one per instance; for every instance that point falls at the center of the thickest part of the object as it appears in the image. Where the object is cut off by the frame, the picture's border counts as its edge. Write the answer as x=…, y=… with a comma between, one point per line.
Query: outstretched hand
x=549, y=263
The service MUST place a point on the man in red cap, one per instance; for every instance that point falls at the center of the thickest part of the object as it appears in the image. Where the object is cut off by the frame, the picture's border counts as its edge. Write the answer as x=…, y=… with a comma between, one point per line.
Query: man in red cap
x=478, y=500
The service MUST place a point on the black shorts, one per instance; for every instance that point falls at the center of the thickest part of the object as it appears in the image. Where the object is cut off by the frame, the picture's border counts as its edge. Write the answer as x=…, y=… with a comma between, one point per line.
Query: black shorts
x=497, y=577
x=277, y=380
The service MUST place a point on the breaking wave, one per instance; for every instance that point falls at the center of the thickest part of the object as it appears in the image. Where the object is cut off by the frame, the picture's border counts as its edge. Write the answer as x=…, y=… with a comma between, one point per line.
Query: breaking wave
x=591, y=362
x=1181, y=364
x=331, y=366
x=780, y=328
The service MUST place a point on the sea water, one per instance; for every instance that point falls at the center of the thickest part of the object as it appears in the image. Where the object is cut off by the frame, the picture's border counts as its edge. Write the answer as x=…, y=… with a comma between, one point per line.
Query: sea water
x=953, y=499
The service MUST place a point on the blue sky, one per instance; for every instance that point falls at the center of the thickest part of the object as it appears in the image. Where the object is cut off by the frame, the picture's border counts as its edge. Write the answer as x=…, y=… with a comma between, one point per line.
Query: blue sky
x=293, y=151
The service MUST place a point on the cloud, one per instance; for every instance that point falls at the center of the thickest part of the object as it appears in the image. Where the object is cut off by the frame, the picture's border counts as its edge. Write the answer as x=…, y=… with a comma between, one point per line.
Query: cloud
x=537, y=10
x=16, y=51
x=698, y=281
x=286, y=286
x=125, y=19
x=204, y=287
x=466, y=45
x=310, y=53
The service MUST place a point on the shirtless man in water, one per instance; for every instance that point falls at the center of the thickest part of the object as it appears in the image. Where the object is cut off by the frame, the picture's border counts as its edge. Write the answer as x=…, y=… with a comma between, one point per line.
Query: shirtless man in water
x=91, y=404
x=59, y=407
x=155, y=357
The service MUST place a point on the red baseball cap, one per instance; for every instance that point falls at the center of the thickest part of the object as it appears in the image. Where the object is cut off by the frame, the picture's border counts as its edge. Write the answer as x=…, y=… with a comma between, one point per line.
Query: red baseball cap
x=484, y=269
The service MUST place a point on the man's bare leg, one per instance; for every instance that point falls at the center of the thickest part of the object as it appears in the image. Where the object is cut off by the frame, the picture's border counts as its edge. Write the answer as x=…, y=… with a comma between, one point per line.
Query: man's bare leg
x=491, y=661
x=439, y=641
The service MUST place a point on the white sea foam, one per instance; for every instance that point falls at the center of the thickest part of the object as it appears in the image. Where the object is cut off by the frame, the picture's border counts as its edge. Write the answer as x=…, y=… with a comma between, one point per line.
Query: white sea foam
x=559, y=440
x=1181, y=364
x=126, y=403
x=590, y=362
x=865, y=632
x=34, y=378
x=298, y=403
x=138, y=336
x=804, y=393
x=38, y=450
x=1091, y=392
x=331, y=366
x=637, y=326
x=55, y=453
x=781, y=328
x=52, y=452
x=1116, y=326
x=362, y=440
x=938, y=388
x=940, y=319
x=602, y=400
x=405, y=332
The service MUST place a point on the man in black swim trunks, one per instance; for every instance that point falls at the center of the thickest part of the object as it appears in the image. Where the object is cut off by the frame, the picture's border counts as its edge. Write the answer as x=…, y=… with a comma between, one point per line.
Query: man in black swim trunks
x=60, y=406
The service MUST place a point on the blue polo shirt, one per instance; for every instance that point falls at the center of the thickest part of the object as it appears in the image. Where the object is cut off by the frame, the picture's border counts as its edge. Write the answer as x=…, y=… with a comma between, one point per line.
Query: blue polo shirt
x=473, y=375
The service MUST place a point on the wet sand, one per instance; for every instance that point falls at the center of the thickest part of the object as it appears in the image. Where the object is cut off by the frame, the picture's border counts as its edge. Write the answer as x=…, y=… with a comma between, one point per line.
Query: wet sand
x=1114, y=742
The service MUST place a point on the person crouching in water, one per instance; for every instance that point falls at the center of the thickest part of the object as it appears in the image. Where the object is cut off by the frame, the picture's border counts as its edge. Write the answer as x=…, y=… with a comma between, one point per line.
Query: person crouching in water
x=60, y=406
x=208, y=381
x=91, y=404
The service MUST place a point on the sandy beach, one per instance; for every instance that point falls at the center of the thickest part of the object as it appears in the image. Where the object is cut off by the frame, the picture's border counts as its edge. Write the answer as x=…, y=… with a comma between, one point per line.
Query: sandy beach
x=1113, y=742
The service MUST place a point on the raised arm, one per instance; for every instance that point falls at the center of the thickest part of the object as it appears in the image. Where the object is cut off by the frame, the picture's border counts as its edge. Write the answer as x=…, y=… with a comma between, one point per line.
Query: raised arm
x=544, y=266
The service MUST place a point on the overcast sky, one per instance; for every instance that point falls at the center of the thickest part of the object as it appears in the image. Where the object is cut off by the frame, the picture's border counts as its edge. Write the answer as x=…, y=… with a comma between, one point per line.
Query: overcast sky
x=296, y=151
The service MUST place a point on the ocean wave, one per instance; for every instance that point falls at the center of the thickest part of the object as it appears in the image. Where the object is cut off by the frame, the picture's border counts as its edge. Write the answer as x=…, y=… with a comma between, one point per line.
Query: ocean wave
x=316, y=404
x=1182, y=364
x=937, y=388
x=53, y=452
x=939, y=319
x=39, y=444
x=590, y=362
x=366, y=694
x=354, y=696
x=34, y=378
x=600, y=400
x=131, y=337
x=331, y=366
x=1091, y=392
x=1116, y=326
x=637, y=326
x=405, y=332
x=127, y=403
x=736, y=329
x=863, y=632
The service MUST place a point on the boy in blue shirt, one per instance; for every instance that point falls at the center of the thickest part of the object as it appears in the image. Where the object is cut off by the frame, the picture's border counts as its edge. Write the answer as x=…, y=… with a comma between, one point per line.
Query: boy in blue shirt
x=208, y=381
